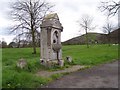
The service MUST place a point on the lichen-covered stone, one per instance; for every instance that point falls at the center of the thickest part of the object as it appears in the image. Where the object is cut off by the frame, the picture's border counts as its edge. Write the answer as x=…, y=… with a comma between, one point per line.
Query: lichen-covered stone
x=69, y=59
x=51, y=47
x=61, y=63
x=21, y=63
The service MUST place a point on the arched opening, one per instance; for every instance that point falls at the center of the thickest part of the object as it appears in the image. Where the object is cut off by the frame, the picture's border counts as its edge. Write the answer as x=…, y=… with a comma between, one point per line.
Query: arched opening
x=55, y=37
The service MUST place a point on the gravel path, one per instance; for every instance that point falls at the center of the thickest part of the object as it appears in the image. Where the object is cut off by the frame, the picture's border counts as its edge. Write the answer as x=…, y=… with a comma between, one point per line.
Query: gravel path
x=66, y=70
x=102, y=76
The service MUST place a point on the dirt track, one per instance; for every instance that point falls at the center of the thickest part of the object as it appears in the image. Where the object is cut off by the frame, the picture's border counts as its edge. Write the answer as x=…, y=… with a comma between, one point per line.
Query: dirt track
x=102, y=76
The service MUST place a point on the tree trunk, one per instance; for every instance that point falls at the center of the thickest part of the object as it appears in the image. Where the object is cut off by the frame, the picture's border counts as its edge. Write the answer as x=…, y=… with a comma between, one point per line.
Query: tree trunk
x=33, y=31
x=33, y=38
x=87, y=39
x=18, y=46
x=33, y=43
x=109, y=39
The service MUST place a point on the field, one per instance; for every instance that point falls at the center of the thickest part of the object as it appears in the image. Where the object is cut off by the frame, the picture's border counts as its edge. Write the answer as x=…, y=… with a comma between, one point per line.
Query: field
x=15, y=77
x=0, y=68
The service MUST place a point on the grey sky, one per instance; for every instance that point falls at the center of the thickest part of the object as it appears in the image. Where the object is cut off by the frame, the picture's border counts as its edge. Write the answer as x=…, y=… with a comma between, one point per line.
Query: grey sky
x=69, y=12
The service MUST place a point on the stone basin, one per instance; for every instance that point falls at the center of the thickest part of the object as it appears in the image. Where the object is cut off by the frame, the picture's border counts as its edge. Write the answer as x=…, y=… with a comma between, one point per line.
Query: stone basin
x=56, y=47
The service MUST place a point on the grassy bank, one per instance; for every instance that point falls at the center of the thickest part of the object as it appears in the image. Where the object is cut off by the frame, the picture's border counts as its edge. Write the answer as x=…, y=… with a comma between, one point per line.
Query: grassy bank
x=0, y=68
x=94, y=55
x=14, y=77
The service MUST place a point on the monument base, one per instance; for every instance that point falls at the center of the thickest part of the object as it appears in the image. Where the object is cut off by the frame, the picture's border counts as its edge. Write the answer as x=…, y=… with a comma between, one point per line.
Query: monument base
x=50, y=63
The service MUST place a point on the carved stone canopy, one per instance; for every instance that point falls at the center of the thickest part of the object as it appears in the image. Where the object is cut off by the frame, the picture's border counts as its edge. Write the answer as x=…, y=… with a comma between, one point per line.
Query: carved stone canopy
x=51, y=21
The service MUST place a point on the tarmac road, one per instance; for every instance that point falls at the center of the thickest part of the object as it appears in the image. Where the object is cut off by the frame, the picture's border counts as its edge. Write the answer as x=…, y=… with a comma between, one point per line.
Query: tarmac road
x=102, y=76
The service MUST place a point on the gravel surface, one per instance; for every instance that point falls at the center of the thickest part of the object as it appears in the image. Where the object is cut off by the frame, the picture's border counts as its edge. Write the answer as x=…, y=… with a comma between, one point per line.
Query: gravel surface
x=102, y=76
x=66, y=70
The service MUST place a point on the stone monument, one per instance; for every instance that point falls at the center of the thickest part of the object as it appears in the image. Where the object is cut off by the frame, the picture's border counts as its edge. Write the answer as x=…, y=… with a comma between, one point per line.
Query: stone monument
x=51, y=29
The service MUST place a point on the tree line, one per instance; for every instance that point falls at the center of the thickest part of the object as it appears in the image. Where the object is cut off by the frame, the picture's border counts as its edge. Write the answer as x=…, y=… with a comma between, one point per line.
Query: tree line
x=17, y=44
x=28, y=15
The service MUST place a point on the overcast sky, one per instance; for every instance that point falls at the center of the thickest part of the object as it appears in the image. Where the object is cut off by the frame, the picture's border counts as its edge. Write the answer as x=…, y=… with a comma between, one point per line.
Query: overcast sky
x=69, y=12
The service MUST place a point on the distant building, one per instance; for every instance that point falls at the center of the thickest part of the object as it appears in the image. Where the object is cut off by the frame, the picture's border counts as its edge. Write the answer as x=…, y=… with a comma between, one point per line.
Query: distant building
x=23, y=43
x=13, y=45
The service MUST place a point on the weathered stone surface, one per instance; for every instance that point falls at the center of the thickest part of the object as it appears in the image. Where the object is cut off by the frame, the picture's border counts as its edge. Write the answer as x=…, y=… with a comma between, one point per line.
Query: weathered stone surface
x=51, y=48
x=51, y=20
x=49, y=63
x=56, y=47
x=43, y=62
x=21, y=63
x=52, y=63
x=69, y=59
x=61, y=63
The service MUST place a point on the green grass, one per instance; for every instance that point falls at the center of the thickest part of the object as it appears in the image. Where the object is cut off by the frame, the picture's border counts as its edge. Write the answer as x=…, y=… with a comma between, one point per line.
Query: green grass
x=56, y=76
x=13, y=79
x=17, y=78
x=94, y=55
x=0, y=68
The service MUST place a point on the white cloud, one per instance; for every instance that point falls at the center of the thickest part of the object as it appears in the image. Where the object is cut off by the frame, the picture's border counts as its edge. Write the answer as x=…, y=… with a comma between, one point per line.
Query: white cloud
x=69, y=11
x=7, y=38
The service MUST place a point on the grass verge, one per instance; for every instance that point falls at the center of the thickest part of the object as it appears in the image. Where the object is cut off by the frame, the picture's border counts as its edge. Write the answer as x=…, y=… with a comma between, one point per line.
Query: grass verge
x=14, y=77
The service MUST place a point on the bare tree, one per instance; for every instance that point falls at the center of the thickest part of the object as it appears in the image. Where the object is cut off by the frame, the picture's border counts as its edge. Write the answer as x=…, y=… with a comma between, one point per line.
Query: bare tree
x=86, y=24
x=28, y=15
x=107, y=28
x=4, y=44
x=111, y=6
x=0, y=44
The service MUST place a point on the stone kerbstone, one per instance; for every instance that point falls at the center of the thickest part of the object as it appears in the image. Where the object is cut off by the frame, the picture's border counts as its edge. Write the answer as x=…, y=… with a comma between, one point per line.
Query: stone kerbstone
x=21, y=63
x=69, y=59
